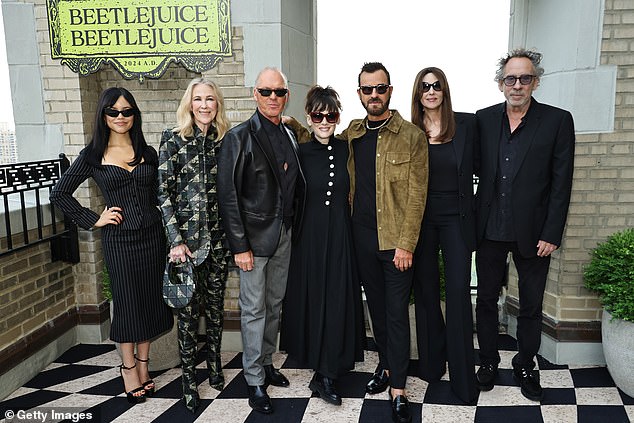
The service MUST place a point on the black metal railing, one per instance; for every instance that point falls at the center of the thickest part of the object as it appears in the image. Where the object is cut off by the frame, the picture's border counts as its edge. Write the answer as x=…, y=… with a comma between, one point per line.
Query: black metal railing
x=25, y=182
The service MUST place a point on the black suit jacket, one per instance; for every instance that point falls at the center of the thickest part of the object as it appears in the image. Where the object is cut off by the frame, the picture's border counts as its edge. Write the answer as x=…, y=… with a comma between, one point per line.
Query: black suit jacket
x=542, y=181
x=463, y=144
x=249, y=190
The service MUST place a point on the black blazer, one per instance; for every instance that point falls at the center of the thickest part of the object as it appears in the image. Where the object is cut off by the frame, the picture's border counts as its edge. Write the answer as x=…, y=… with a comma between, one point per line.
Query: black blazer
x=543, y=174
x=463, y=144
x=249, y=191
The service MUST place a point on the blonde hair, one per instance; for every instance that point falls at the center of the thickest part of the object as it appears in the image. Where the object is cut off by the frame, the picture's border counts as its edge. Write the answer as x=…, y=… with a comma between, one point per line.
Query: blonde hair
x=185, y=117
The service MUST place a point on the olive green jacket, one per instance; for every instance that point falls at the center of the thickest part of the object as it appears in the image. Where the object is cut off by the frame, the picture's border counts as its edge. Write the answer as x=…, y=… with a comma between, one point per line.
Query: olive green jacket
x=401, y=179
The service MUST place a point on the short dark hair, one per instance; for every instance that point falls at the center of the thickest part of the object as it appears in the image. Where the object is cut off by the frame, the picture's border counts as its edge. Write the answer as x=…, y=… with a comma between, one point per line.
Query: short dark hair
x=532, y=55
x=322, y=99
x=371, y=67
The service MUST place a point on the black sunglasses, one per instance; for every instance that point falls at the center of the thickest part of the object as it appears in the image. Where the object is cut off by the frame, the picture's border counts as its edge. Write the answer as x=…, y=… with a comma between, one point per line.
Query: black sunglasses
x=510, y=80
x=318, y=117
x=369, y=89
x=114, y=112
x=427, y=86
x=266, y=92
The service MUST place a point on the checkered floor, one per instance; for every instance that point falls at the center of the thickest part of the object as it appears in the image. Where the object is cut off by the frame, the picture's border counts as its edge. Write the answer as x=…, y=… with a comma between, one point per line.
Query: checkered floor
x=86, y=377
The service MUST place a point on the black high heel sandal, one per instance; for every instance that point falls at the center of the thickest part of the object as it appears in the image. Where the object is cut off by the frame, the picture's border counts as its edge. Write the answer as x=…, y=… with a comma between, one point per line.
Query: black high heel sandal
x=132, y=399
x=149, y=390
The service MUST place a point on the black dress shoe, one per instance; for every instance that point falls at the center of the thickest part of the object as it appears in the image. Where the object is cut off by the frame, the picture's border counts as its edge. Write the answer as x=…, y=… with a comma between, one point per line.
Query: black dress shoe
x=259, y=400
x=274, y=377
x=378, y=383
x=400, y=409
x=529, y=383
x=486, y=376
x=325, y=388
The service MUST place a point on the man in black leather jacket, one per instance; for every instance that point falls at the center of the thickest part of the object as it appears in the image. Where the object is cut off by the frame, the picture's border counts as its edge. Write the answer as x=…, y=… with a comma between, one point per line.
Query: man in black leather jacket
x=260, y=194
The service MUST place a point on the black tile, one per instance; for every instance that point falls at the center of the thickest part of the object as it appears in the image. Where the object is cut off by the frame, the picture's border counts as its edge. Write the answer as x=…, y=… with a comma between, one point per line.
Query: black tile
x=515, y=414
x=83, y=352
x=237, y=388
x=292, y=363
x=601, y=413
x=352, y=385
x=174, y=389
x=627, y=400
x=559, y=396
x=440, y=393
x=505, y=378
x=375, y=411
x=287, y=410
x=179, y=413
x=110, y=409
x=235, y=363
x=63, y=374
x=544, y=364
x=30, y=400
x=595, y=377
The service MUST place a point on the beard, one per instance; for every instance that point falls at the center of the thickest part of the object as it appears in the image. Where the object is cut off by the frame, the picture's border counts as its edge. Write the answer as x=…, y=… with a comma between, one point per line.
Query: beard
x=375, y=107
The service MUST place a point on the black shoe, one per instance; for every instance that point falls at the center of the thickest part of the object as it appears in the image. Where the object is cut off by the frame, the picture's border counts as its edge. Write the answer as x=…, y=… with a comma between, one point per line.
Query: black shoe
x=217, y=381
x=486, y=376
x=400, y=409
x=274, y=377
x=259, y=400
x=378, y=383
x=325, y=388
x=529, y=383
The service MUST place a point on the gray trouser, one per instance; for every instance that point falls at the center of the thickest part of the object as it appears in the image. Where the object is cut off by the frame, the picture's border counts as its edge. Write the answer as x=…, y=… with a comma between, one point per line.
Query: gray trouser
x=261, y=294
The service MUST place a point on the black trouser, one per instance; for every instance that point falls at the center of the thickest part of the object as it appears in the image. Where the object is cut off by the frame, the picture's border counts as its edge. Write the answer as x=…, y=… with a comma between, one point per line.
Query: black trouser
x=532, y=273
x=437, y=343
x=387, y=290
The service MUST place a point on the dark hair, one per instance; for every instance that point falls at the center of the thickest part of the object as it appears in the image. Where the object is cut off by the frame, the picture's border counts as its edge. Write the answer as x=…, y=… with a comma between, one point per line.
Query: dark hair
x=532, y=55
x=372, y=67
x=447, y=121
x=101, y=132
x=321, y=99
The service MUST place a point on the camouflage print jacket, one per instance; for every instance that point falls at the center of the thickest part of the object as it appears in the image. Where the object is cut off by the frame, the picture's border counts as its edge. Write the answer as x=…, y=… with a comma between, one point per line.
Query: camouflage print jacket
x=187, y=193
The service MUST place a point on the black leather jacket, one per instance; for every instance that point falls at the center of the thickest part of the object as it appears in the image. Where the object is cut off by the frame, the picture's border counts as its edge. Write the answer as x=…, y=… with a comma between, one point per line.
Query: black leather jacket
x=249, y=193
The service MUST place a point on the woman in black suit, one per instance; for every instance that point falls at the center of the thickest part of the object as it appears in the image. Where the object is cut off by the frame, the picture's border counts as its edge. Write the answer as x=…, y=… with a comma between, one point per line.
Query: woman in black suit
x=125, y=169
x=448, y=225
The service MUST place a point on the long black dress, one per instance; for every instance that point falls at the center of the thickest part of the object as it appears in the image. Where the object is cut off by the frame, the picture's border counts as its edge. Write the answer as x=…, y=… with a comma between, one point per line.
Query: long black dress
x=322, y=319
x=134, y=251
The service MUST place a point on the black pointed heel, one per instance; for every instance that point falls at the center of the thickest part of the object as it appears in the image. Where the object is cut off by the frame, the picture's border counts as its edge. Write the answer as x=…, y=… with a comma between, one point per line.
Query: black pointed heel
x=149, y=385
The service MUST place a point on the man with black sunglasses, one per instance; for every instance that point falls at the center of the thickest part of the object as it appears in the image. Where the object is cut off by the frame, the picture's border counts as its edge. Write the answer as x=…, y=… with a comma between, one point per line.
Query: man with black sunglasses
x=388, y=185
x=260, y=195
x=525, y=162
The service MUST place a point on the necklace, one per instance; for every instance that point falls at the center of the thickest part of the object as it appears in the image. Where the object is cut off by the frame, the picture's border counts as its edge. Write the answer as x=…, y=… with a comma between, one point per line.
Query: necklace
x=367, y=125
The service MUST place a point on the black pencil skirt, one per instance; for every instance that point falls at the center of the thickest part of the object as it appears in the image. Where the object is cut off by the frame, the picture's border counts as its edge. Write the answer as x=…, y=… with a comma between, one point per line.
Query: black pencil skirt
x=135, y=260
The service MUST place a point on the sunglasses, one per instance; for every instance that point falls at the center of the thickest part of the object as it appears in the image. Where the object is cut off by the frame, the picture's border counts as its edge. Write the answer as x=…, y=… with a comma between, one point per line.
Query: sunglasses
x=266, y=92
x=436, y=86
x=114, y=112
x=510, y=80
x=369, y=89
x=318, y=117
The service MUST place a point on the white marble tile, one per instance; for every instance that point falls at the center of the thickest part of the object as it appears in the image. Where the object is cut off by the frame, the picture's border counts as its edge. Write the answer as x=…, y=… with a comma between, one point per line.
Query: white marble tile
x=226, y=357
x=20, y=391
x=78, y=401
x=226, y=411
x=559, y=413
x=505, y=359
x=629, y=409
x=86, y=382
x=111, y=359
x=598, y=396
x=279, y=359
x=54, y=366
x=319, y=411
x=504, y=396
x=166, y=377
x=556, y=379
x=433, y=413
x=416, y=389
x=369, y=363
x=299, y=380
x=147, y=411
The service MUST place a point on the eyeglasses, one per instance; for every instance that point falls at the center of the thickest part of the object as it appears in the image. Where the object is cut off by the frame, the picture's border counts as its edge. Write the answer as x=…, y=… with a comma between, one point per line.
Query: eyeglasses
x=510, y=80
x=266, y=92
x=114, y=112
x=318, y=117
x=369, y=89
x=436, y=86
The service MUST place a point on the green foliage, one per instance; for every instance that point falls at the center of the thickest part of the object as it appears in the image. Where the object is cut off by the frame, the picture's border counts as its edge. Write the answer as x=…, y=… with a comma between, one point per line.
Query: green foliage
x=610, y=273
x=106, y=289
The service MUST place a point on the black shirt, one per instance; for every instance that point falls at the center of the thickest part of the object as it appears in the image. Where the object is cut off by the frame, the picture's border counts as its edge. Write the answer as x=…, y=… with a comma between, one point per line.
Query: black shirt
x=442, y=168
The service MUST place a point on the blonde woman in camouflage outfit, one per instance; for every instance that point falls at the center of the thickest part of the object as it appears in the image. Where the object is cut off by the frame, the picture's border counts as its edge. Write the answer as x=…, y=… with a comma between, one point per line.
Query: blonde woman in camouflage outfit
x=187, y=195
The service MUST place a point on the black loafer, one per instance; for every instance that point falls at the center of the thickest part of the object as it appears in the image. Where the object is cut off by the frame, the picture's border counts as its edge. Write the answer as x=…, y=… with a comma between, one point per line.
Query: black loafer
x=485, y=377
x=529, y=383
x=378, y=383
x=325, y=388
x=259, y=400
x=274, y=377
x=400, y=409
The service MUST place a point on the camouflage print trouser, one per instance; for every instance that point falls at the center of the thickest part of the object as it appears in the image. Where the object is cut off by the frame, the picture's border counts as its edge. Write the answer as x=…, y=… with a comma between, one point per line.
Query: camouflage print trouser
x=210, y=277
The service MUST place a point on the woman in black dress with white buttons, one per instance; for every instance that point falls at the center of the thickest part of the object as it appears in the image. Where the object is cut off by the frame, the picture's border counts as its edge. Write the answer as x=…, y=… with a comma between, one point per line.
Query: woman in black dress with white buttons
x=125, y=169
x=322, y=325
